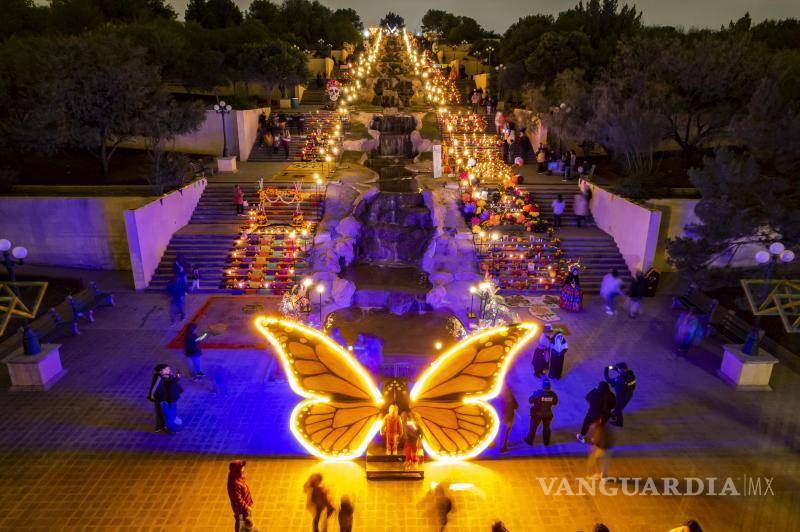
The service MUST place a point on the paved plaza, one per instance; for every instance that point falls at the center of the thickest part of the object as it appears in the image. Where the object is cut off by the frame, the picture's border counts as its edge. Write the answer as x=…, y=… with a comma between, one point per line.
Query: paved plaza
x=83, y=455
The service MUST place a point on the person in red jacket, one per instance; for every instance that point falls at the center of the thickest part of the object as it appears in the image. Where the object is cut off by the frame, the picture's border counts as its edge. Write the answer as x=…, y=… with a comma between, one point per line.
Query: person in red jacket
x=391, y=430
x=239, y=494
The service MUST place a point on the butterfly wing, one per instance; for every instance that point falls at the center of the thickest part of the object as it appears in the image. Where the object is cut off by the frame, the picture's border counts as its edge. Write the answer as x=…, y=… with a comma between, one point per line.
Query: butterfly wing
x=450, y=399
x=341, y=412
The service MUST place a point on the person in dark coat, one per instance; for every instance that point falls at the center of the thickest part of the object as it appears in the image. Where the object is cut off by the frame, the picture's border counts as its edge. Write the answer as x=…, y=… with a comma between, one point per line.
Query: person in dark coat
x=240, y=496
x=192, y=349
x=636, y=293
x=161, y=426
x=319, y=500
x=176, y=290
x=166, y=393
x=601, y=403
x=542, y=403
x=624, y=384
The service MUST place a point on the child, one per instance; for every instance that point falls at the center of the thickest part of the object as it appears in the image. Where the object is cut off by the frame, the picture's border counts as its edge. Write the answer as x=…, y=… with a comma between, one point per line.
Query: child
x=195, y=278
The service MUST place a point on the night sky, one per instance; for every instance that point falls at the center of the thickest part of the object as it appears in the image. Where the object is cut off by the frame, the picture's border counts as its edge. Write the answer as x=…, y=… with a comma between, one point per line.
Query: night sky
x=498, y=15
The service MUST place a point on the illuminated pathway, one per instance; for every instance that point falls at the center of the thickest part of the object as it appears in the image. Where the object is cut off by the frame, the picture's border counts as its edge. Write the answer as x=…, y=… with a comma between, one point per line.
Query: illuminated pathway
x=84, y=455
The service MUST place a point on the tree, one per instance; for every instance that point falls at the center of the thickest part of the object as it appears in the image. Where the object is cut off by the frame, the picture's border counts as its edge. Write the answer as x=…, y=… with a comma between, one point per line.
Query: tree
x=272, y=63
x=214, y=13
x=164, y=120
x=557, y=51
x=107, y=88
x=699, y=83
x=393, y=20
x=264, y=11
x=438, y=22
x=627, y=124
x=739, y=206
x=32, y=116
x=22, y=17
x=73, y=17
x=521, y=38
x=564, y=108
x=132, y=10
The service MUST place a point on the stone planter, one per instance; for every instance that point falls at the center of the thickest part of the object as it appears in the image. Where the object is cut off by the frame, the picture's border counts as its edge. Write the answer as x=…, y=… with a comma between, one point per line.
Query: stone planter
x=36, y=373
x=744, y=372
x=227, y=164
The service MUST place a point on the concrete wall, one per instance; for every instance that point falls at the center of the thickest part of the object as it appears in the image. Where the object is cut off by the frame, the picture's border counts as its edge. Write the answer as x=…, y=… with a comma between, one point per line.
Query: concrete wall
x=676, y=214
x=634, y=227
x=240, y=127
x=247, y=130
x=79, y=232
x=323, y=65
x=150, y=227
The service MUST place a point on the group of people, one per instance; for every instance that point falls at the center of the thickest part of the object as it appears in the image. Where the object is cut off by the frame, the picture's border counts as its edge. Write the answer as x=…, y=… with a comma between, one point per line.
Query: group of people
x=481, y=101
x=564, y=164
x=400, y=427
x=515, y=145
x=273, y=132
x=580, y=207
x=611, y=288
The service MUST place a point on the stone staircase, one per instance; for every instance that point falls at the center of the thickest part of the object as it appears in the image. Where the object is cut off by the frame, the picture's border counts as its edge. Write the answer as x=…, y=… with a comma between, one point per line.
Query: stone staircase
x=545, y=194
x=314, y=96
x=212, y=231
x=598, y=254
x=263, y=153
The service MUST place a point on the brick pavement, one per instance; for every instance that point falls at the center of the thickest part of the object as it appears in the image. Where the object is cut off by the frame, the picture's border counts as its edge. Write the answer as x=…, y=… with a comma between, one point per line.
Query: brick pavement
x=83, y=456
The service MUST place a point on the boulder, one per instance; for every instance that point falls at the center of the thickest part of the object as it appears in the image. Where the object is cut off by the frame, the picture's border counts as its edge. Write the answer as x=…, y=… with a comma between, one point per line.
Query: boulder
x=321, y=238
x=429, y=258
x=344, y=249
x=441, y=278
x=348, y=227
x=435, y=298
x=400, y=303
x=468, y=276
x=342, y=292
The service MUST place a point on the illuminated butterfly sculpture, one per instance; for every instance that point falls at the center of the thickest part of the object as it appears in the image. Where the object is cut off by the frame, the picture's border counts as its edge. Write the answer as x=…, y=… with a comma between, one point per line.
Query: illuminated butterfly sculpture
x=343, y=408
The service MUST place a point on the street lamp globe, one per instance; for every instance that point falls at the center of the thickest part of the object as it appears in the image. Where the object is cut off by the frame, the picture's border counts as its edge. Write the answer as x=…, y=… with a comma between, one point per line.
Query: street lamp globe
x=216, y=107
x=5, y=244
x=776, y=248
x=762, y=257
x=787, y=255
x=222, y=103
x=19, y=252
x=320, y=288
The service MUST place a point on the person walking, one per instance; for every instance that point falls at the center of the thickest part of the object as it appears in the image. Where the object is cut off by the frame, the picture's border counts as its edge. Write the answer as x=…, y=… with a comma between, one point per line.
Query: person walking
x=443, y=504
x=195, y=277
x=346, y=510
x=636, y=293
x=240, y=496
x=193, y=351
x=155, y=383
x=542, y=351
x=601, y=403
x=580, y=207
x=558, y=210
x=509, y=409
x=319, y=501
x=166, y=393
x=542, y=403
x=411, y=435
x=476, y=101
x=238, y=199
x=286, y=141
x=601, y=442
x=688, y=331
x=624, y=384
x=610, y=288
x=541, y=158
x=176, y=290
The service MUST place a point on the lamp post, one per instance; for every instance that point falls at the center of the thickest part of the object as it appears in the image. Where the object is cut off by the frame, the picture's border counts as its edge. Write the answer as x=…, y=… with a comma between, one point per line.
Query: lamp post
x=484, y=295
x=222, y=109
x=320, y=290
x=777, y=251
x=14, y=256
x=490, y=49
x=500, y=69
x=472, y=291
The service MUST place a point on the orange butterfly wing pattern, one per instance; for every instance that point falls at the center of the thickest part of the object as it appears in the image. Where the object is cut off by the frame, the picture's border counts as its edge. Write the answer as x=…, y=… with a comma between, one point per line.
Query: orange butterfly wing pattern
x=341, y=412
x=449, y=400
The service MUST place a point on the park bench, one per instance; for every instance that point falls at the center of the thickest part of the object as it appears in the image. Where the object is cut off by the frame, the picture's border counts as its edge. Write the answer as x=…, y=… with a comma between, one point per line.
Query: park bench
x=694, y=298
x=48, y=329
x=84, y=303
x=732, y=327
